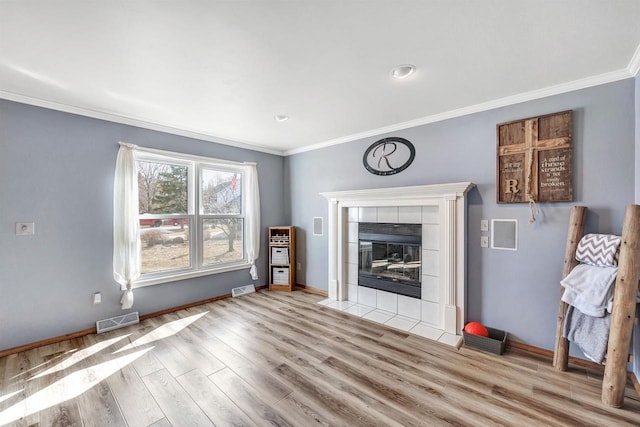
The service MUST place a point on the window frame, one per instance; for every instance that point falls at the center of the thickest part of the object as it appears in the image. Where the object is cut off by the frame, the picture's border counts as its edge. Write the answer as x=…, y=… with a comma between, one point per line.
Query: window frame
x=195, y=166
x=202, y=216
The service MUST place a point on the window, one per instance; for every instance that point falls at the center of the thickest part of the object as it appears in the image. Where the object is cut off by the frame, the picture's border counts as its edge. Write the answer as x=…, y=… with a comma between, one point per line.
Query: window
x=221, y=213
x=192, y=216
x=163, y=200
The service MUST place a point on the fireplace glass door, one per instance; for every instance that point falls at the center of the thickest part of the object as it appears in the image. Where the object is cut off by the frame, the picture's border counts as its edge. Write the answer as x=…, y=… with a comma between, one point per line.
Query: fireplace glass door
x=391, y=261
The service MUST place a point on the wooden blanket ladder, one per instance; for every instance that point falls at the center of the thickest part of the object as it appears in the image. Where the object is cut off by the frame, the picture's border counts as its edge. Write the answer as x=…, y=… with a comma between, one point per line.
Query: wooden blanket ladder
x=624, y=303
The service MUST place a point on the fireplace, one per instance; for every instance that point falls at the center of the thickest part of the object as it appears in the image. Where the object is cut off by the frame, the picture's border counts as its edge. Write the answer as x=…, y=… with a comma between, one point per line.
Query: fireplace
x=390, y=257
x=441, y=211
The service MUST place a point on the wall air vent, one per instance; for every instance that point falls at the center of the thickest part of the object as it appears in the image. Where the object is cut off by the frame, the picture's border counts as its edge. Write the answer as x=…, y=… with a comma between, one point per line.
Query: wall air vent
x=117, y=322
x=243, y=290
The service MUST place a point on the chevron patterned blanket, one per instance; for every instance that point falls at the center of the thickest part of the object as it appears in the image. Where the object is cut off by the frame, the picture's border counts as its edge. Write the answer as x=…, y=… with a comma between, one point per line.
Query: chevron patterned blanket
x=598, y=249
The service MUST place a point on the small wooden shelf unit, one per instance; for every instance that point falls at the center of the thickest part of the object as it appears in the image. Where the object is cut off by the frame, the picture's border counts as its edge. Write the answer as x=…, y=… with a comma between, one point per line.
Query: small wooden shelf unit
x=282, y=258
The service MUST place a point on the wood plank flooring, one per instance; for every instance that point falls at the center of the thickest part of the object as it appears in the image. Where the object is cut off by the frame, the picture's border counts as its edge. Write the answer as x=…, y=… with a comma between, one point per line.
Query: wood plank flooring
x=280, y=359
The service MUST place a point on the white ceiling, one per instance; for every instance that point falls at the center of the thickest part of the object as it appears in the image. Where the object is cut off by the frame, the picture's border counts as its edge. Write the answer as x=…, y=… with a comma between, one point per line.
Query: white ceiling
x=221, y=70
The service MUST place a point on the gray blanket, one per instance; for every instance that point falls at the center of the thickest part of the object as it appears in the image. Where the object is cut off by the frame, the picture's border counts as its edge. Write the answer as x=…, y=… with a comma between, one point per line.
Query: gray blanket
x=591, y=334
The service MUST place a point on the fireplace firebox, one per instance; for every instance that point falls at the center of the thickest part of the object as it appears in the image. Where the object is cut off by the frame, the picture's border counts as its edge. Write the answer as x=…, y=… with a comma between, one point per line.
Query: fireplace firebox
x=390, y=257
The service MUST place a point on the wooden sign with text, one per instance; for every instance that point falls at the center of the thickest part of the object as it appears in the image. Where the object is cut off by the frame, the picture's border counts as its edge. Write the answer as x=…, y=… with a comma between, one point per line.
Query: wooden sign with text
x=534, y=159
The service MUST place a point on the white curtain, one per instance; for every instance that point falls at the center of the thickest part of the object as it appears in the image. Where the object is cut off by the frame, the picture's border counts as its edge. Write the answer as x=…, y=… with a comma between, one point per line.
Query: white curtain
x=126, y=245
x=252, y=217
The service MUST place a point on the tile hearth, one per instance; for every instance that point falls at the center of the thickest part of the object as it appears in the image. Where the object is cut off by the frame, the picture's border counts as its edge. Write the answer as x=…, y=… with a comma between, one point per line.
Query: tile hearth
x=407, y=324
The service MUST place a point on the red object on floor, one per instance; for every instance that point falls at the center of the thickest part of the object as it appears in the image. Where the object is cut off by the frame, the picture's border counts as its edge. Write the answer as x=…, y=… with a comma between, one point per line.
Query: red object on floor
x=476, y=328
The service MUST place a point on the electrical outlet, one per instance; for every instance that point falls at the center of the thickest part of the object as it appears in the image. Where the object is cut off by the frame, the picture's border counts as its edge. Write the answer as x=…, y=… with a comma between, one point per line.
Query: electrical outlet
x=484, y=241
x=484, y=225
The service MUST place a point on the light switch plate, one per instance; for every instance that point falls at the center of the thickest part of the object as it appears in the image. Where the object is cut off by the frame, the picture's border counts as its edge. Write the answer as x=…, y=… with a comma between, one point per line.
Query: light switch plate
x=25, y=228
x=484, y=241
x=484, y=225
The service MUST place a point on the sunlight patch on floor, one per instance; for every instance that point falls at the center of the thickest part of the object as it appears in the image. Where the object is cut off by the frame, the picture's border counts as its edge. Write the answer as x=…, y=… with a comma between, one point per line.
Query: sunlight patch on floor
x=51, y=361
x=164, y=331
x=69, y=387
x=79, y=356
x=9, y=395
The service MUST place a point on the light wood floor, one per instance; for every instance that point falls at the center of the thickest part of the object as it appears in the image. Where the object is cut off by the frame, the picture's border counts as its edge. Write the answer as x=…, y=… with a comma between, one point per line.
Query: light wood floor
x=280, y=359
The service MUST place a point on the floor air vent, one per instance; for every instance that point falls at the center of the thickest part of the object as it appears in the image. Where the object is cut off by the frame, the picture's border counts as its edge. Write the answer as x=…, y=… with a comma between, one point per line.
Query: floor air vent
x=242, y=290
x=117, y=322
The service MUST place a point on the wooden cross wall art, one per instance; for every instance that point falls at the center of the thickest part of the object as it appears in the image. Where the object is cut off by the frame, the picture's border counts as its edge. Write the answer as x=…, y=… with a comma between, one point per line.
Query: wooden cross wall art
x=534, y=159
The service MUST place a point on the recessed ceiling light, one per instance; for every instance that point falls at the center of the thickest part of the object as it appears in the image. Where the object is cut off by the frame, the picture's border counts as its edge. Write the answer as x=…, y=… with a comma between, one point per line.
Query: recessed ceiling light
x=403, y=71
x=281, y=118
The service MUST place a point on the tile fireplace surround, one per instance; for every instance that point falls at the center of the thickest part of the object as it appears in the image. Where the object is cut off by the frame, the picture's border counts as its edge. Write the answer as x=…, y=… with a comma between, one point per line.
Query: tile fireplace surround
x=441, y=209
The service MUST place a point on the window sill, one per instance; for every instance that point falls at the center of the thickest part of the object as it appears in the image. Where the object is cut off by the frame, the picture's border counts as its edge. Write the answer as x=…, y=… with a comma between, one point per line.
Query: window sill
x=141, y=283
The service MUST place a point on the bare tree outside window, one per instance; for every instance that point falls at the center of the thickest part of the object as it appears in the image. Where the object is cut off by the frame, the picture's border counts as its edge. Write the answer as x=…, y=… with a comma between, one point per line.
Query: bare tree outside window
x=148, y=178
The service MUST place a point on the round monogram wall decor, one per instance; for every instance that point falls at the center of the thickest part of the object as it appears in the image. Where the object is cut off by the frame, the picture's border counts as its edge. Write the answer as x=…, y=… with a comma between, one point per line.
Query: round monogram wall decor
x=389, y=156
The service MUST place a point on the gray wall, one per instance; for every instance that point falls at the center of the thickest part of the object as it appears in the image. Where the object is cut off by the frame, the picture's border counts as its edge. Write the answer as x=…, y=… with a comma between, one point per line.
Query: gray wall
x=56, y=169
x=515, y=291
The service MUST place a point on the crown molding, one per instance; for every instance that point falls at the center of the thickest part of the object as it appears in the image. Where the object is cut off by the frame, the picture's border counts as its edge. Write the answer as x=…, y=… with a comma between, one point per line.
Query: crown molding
x=477, y=108
x=133, y=121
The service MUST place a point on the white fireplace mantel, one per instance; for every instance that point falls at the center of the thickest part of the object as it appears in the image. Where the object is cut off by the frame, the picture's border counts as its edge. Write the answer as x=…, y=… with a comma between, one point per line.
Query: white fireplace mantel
x=450, y=200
